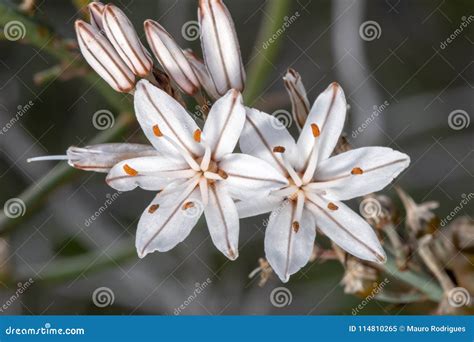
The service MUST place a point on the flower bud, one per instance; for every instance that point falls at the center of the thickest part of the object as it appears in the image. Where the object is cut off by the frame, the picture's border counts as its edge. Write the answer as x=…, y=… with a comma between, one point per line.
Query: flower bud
x=124, y=38
x=103, y=58
x=171, y=57
x=202, y=74
x=299, y=100
x=96, y=9
x=220, y=46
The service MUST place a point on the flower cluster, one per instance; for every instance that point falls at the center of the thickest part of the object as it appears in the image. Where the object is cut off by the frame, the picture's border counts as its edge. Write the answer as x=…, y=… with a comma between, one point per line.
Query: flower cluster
x=196, y=170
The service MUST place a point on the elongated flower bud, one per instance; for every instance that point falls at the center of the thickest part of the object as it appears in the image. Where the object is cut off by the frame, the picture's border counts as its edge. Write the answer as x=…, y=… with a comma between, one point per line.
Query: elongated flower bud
x=124, y=38
x=171, y=57
x=103, y=58
x=220, y=46
x=202, y=74
x=299, y=100
x=95, y=12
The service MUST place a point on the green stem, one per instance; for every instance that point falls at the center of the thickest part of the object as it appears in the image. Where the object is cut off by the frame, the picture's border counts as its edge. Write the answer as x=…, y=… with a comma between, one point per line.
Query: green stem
x=418, y=280
x=63, y=269
x=266, y=49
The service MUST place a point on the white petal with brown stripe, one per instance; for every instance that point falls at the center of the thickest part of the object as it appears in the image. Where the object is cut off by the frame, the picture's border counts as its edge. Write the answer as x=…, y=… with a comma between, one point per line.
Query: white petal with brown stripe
x=220, y=46
x=124, y=38
x=103, y=58
x=171, y=57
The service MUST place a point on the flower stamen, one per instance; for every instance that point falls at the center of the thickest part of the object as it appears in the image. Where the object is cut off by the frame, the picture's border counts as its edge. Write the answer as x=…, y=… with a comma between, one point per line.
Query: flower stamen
x=291, y=171
x=129, y=170
x=332, y=206
x=153, y=208
x=357, y=171
x=313, y=159
x=197, y=135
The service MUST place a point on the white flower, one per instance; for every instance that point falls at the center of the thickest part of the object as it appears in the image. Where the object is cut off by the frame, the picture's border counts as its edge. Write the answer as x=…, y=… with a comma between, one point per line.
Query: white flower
x=220, y=46
x=317, y=184
x=112, y=48
x=195, y=171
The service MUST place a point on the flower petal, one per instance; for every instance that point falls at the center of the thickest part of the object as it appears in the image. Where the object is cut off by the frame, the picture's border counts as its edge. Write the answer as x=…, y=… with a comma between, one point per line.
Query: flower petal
x=124, y=38
x=168, y=220
x=261, y=134
x=299, y=100
x=359, y=172
x=328, y=113
x=223, y=221
x=154, y=108
x=202, y=74
x=96, y=9
x=102, y=157
x=103, y=58
x=249, y=177
x=149, y=173
x=220, y=46
x=224, y=124
x=288, y=249
x=171, y=58
x=347, y=229
x=258, y=206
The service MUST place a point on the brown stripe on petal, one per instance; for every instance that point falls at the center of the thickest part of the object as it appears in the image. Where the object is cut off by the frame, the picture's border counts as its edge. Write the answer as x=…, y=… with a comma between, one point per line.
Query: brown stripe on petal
x=357, y=171
x=332, y=206
x=129, y=170
x=279, y=149
x=153, y=208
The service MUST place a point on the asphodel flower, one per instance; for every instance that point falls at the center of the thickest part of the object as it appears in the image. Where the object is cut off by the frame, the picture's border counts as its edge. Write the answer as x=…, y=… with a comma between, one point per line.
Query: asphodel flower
x=299, y=100
x=112, y=48
x=317, y=183
x=220, y=46
x=193, y=170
